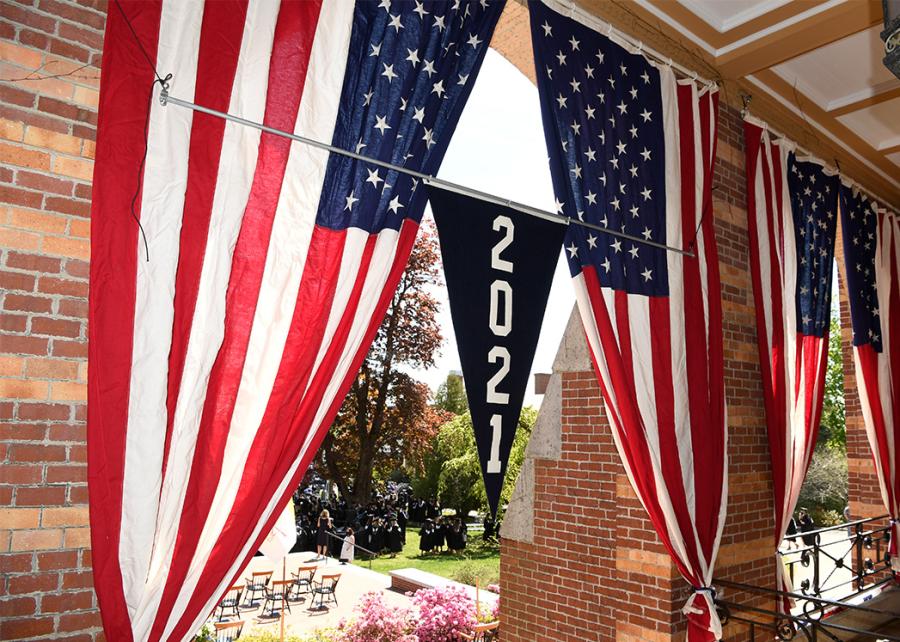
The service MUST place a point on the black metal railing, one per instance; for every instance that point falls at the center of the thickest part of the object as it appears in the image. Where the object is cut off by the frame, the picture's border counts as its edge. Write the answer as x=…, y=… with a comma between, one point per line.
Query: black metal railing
x=818, y=621
x=852, y=556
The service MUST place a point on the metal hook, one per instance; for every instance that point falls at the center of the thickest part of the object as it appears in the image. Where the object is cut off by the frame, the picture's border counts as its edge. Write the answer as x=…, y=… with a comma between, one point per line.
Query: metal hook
x=746, y=98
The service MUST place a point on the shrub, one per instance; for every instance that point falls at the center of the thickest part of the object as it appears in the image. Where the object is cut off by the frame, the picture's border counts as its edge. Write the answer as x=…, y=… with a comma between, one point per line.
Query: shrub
x=377, y=622
x=825, y=487
x=444, y=613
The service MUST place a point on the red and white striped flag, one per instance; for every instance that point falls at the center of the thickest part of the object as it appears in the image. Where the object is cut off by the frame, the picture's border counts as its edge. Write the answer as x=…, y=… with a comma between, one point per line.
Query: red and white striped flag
x=792, y=216
x=220, y=354
x=872, y=256
x=631, y=149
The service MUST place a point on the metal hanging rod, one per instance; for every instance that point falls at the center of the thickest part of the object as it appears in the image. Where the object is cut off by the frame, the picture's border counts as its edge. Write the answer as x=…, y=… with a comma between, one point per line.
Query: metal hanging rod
x=165, y=99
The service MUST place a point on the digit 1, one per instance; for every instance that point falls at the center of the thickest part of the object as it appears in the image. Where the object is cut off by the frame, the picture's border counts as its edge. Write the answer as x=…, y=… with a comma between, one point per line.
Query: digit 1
x=493, y=465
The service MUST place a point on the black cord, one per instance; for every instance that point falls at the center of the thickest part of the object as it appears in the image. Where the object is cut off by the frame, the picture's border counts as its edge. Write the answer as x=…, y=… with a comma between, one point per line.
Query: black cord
x=700, y=224
x=139, y=44
x=140, y=177
x=164, y=83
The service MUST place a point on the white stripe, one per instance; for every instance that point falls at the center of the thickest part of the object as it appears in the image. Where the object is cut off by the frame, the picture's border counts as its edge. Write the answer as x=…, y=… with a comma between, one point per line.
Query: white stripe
x=887, y=246
x=162, y=204
x=589, y=322
x=385, y=246
x=763, y=224
x=240, y=146
x=678, y=358
x=347, y=277
x=794, y=409
x=377, y=275
x=289, y=242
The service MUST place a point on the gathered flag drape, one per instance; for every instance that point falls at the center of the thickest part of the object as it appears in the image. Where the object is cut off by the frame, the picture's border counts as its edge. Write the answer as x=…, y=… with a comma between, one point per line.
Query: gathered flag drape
x=792, y=222
x=871, y=237
x=221, y=352
x=631, y=148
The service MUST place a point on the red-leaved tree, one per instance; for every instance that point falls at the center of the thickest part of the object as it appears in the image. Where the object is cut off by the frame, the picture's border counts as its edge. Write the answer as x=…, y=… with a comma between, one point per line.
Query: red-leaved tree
x=386, y=421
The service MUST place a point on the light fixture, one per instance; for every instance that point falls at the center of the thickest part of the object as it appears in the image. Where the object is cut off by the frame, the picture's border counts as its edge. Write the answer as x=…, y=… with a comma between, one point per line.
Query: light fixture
x=891, y=35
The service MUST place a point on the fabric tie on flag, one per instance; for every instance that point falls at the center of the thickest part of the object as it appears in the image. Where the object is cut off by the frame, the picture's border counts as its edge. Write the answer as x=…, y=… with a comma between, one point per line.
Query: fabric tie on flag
x=499, y=264
x=792, y=216
x=220, y=356
x=282, y=537
x=631, y=149
x=872, y=266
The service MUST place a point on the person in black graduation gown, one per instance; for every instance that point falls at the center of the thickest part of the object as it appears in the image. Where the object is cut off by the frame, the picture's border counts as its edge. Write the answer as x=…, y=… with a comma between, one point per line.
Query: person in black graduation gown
x=806, y=525
x=440, y=534
x=426, y=537
x=456, y=537
x=488, y=535
x=791, y=534
x=402, y=520
x=362, y=535
x=394, y=537
x=377, y=540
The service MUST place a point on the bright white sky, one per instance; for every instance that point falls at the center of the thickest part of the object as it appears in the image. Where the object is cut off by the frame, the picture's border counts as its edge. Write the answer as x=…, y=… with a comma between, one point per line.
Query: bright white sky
x=498, y=147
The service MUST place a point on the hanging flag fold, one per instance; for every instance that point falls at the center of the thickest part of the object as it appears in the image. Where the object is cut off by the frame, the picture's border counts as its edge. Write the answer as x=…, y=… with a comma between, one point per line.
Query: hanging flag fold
x=218, y=365
x=792, y=223
x=498, y=264
x=632, y=148
x=282, y=537
x=872, y=266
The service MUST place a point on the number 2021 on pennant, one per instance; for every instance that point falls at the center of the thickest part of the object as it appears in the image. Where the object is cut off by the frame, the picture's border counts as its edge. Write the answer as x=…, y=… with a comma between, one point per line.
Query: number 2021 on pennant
x=501, y=325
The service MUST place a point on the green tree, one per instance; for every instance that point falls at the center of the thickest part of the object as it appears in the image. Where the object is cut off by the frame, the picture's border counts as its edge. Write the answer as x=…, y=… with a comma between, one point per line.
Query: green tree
x=459, y=482
x=832, y=428
x=451, y=395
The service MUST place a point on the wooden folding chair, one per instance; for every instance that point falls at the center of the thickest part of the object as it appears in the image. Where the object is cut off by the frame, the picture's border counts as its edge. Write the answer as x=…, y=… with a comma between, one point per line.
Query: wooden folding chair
x=229, y=631
x=231, y=602
x=276, y=595
x=483, y=632
x=303, y=581
x=256, y=583
x=325, y=589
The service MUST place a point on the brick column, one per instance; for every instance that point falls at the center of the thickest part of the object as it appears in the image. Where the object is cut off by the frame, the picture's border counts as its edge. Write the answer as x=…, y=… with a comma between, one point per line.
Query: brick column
x=47, y=131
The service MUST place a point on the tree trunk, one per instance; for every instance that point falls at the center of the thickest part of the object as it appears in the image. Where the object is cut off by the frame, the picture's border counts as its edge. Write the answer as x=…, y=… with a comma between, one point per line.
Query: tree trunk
x=362, y=486
x=333, y=471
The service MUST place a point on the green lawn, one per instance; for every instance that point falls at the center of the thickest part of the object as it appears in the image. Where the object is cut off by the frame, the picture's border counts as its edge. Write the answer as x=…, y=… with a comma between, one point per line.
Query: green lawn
x=479, y=561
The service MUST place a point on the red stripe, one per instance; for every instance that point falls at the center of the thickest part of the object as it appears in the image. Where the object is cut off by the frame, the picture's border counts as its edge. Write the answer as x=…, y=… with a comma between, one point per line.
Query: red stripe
x=776, y=423
x=126, y=79
x=715, y=407
x=279, y=438
x=303, y=417
x=705, y=441
x=888, y=241
x=868, y=361
x=220, y=46
x=627, y=420
x=292, y=44
x=812, y=354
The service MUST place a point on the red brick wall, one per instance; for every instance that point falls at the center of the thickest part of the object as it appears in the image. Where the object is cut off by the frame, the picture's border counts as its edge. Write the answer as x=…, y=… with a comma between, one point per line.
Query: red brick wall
x=595, y=569
x=47, y=129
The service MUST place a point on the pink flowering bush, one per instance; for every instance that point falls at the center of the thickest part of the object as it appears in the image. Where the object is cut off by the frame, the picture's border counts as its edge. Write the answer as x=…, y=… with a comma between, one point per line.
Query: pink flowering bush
x=444, y=612
x=438, y=615
x=375, y=621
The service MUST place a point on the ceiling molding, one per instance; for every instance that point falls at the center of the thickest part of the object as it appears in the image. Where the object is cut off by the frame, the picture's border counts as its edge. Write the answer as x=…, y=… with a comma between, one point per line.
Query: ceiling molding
x=874, y=160
x=812, y=29
x=860, y=100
